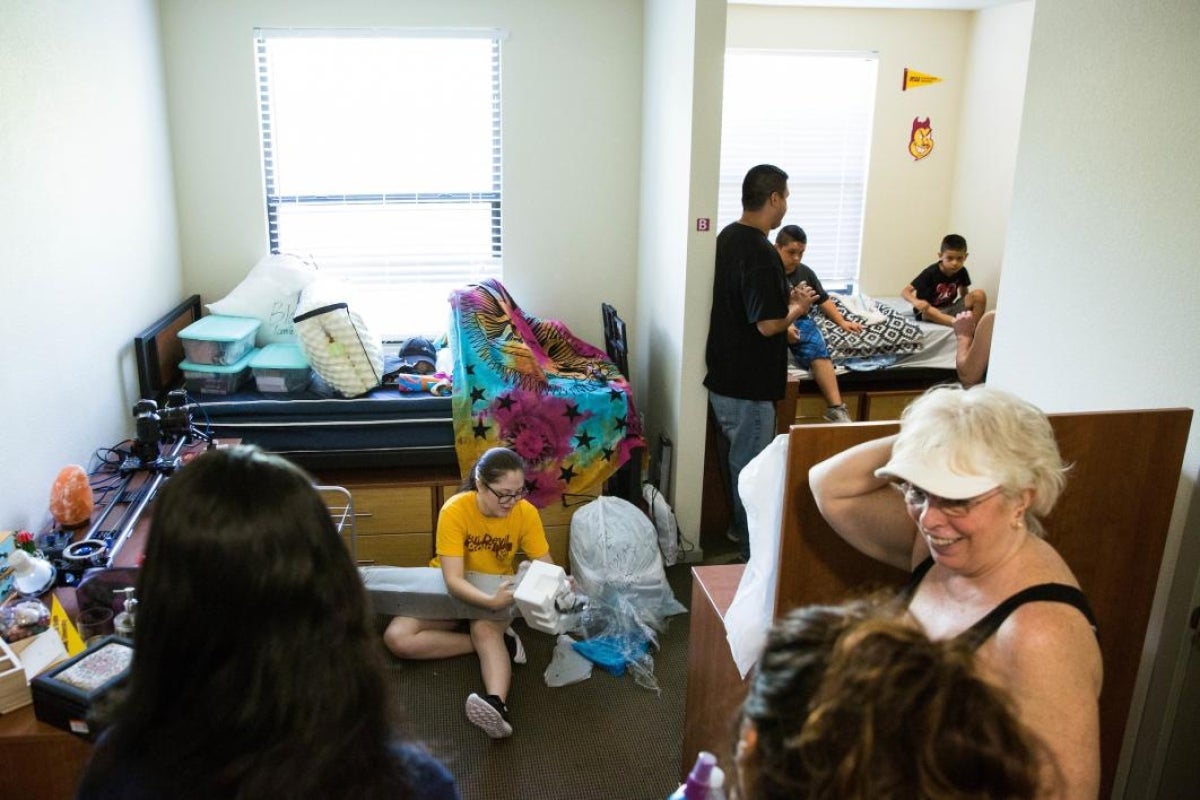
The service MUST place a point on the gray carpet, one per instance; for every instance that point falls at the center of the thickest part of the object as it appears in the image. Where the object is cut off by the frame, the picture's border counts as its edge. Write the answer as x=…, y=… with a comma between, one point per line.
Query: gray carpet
x=605, y=738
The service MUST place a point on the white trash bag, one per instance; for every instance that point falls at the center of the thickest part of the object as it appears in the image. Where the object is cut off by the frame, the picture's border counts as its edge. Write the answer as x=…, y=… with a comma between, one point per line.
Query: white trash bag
x=613, y=544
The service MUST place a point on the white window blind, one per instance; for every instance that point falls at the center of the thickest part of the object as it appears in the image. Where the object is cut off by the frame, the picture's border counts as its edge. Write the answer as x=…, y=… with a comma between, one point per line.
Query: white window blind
x=810, y=115
x=382, y=163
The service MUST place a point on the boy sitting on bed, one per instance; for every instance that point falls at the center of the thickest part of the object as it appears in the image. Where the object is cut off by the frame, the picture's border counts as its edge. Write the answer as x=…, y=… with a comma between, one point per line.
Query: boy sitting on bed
x=944, y=287
x=804, y=338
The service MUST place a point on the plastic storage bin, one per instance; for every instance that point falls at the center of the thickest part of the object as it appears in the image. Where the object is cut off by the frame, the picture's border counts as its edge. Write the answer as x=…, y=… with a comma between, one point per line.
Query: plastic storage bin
x=281, y=367
x=216, y=378
x=535, y=595
x=218, y=340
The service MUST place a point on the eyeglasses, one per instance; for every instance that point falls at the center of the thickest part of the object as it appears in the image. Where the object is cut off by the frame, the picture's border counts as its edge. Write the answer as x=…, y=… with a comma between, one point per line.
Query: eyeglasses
x=507, y=498
x=919, y=498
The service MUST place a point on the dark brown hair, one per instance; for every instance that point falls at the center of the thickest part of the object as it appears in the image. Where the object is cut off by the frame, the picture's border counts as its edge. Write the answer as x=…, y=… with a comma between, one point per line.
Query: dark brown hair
x=852, y=703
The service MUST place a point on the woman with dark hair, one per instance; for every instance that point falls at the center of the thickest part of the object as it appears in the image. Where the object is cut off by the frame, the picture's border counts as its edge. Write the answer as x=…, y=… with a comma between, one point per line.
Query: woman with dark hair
x=255, y=671
x=850, y=703
x=480, y=530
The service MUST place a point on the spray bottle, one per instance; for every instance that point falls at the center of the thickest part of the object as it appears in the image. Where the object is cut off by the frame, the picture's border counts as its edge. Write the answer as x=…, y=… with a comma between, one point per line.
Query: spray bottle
x=704, y=777
x=123, y=623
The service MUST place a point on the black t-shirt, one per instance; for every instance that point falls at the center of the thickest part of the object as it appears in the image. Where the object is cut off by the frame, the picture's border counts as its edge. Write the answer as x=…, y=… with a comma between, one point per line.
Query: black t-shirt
x=803, y=272
x=748, y=287
x=935, y=288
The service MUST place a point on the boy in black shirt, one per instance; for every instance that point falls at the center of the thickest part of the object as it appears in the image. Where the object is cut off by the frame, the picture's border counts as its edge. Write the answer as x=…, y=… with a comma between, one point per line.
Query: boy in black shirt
x=944, y=288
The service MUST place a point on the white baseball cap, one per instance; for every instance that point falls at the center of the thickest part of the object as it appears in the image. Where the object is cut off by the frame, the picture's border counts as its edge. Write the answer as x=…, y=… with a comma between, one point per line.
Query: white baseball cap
x=929, y=469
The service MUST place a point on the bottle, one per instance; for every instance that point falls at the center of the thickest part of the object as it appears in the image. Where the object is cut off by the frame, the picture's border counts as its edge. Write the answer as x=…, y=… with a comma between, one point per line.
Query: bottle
x=699, y=780
x=716, y=784
x=124, y=621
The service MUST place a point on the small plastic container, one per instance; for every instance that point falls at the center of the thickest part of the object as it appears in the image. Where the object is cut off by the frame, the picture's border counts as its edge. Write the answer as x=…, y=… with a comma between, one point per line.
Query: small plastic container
x=535, y=596
x=216, y=378
x=281, y=367
x=217, y=340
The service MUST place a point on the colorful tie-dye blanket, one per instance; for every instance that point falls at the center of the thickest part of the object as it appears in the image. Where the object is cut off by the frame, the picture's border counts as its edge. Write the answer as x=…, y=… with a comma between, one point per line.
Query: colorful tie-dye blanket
x=531, y=385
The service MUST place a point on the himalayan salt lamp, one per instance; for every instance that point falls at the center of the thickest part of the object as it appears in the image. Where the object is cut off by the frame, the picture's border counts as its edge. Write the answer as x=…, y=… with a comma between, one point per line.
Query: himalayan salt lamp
x=71, y=500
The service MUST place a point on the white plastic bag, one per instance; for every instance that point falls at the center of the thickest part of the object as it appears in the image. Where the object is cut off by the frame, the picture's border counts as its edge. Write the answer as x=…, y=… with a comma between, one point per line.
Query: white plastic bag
x=761, y=485
x=613, y=544
x=665, y=523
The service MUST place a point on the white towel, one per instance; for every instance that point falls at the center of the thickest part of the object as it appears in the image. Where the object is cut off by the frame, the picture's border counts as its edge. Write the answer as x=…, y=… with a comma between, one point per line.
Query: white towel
x=864, y=306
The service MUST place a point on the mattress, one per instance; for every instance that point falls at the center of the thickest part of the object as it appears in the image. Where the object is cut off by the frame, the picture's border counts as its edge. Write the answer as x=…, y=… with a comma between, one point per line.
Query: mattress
x=935, y=359
x=382, y=428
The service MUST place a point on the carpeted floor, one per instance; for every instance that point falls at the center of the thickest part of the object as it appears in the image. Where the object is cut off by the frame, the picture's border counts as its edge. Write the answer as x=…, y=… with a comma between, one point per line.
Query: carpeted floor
x=605, y=738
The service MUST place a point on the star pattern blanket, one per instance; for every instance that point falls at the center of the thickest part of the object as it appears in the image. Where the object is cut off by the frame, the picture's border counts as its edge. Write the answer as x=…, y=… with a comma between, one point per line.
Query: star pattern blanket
x=531, y=385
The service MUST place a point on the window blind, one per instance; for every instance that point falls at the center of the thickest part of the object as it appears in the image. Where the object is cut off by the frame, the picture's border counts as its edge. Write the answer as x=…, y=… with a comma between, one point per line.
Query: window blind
x=809, y=114
x=381, y=158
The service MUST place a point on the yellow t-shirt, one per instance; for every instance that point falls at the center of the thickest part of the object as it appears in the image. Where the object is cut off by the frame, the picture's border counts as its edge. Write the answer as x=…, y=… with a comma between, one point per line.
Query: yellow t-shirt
x=488, y=544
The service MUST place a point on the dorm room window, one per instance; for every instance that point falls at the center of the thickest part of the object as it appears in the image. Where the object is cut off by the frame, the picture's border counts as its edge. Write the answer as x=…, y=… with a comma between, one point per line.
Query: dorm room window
x=381, y=163
x=809, y=114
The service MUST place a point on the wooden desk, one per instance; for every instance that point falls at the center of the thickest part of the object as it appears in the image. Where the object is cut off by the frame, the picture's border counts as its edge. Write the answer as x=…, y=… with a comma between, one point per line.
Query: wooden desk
x=715, y=689
x=42, y=762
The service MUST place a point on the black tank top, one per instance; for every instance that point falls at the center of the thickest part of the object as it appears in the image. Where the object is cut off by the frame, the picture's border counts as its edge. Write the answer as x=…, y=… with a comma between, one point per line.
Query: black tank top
x=982, y=630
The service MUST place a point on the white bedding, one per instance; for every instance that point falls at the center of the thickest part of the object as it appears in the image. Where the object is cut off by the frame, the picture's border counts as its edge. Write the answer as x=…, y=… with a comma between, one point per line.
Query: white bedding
x=938, y=352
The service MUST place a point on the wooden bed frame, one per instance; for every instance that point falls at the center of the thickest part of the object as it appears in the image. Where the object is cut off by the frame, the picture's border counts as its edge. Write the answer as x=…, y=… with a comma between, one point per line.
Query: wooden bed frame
x=158, y=350
x=1110, y=525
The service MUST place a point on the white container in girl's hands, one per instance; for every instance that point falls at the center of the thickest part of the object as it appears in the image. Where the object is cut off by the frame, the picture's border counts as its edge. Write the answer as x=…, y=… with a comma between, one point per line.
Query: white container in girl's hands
x=535, y=595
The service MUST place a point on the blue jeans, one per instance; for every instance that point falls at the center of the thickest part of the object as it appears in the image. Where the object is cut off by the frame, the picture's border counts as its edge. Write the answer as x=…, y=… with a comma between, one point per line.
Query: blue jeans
x=748, y=427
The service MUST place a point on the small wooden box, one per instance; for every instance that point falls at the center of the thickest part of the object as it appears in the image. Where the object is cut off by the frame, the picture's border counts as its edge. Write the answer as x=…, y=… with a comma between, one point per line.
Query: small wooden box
x=17, y=660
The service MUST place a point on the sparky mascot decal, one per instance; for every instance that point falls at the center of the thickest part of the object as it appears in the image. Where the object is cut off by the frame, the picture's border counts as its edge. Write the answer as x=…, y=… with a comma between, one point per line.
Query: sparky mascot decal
x=920, y=143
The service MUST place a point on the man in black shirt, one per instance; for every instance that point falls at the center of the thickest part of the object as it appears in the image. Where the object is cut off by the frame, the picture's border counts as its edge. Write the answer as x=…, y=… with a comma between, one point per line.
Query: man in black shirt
x=752, y=307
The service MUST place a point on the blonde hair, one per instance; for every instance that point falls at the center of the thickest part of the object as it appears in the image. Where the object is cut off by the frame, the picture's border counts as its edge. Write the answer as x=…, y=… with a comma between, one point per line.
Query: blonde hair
x=988, y=431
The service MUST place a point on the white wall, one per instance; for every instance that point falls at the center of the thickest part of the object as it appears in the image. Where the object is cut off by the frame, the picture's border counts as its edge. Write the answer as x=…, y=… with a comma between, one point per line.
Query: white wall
x=572, y=73
x=88, y=250
x=680, y=157
x=1098, y=273
x=993, y=99
x=907, y=209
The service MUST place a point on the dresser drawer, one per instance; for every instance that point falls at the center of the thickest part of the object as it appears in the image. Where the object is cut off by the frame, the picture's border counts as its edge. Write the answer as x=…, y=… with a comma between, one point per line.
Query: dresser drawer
x=395, y=549
x=560, y=513
x=559, y=539
x=810, y=408
x=392, y=509
x=887, y=405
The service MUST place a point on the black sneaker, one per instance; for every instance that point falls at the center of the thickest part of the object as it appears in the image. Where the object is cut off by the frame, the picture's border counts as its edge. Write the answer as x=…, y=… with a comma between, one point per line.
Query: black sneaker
x=516, y=649
x=489, y=714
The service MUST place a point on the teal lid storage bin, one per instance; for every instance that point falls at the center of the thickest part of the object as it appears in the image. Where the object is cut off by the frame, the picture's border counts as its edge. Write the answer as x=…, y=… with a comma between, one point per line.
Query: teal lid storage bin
x=218, y=340
x=216, y=378
x=281, y=367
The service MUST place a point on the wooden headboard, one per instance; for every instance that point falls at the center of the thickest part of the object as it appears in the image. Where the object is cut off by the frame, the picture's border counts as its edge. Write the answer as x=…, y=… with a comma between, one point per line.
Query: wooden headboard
x=1110, y=525
x=158, y=350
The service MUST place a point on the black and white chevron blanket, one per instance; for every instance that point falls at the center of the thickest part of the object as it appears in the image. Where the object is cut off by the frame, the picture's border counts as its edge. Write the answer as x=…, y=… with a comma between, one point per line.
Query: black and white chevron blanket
x=895, y=334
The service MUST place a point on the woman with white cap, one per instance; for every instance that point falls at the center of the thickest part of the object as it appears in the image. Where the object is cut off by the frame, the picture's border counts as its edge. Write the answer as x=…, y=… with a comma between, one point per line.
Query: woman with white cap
x=956, y=498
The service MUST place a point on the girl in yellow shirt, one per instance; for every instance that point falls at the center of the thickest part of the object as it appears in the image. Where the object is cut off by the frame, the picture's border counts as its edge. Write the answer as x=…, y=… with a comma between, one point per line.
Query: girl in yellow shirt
x=480, y=529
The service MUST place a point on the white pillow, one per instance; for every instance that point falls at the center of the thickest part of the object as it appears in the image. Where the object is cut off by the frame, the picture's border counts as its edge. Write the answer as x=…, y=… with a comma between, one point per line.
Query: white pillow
x=269, y=293
x=340, y=348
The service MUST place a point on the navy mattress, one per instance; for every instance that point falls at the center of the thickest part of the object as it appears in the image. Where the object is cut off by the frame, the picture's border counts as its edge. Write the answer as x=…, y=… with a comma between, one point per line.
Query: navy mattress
x=383, y=428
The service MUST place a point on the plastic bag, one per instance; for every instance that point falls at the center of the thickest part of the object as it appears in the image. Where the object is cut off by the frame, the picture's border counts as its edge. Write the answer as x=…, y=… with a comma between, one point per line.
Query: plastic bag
x=566, y=665
x=614, y=636
x=614, y=545
x=665, y=523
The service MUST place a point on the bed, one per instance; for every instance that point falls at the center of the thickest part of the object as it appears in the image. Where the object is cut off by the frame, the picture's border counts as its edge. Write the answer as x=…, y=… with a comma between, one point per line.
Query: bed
x=381, y=429
x=876, y=388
